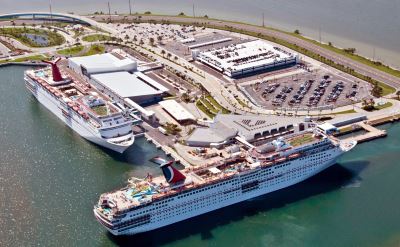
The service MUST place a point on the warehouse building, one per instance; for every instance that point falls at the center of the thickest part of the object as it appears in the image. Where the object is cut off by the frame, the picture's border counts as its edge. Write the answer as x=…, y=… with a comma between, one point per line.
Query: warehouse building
x=137, y=86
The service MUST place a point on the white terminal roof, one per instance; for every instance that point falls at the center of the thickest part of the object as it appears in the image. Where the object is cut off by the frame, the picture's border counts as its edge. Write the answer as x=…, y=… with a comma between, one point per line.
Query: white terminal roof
x=245, y=55
x=129, y=85
x=106, y=62
x=176, y=110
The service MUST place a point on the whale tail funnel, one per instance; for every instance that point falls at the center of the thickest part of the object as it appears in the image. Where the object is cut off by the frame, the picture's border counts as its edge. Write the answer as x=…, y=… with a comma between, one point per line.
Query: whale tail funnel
x=171, y=174
x=54, y=69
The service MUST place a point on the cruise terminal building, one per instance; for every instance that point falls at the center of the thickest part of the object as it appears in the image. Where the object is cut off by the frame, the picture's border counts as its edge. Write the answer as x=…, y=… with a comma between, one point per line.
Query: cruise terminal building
x=238, y=60
x=117, y=75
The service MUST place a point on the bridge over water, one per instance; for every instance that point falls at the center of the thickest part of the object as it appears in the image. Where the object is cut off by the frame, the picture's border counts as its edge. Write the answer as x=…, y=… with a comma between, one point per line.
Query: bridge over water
x=57, y=17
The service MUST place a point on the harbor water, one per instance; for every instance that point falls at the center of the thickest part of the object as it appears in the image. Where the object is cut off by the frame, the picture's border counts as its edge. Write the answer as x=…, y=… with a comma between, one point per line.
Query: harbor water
x=50, y=178
x=372, y=27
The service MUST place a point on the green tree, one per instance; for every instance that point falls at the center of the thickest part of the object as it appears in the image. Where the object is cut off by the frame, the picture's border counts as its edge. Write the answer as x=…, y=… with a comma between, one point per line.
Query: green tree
x=297, y=31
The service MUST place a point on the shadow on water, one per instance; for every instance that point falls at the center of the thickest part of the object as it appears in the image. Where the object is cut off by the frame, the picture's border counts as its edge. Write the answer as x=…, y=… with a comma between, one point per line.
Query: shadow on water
x=331, y=179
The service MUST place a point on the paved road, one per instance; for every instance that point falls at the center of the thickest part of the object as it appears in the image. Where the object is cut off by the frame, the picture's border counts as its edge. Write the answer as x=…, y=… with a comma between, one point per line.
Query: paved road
x=357, y=66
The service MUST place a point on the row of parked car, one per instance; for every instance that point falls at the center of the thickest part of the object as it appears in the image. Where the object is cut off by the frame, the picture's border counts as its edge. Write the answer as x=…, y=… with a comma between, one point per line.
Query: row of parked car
x=282, y=95
x=336, y=92
x=301, y=93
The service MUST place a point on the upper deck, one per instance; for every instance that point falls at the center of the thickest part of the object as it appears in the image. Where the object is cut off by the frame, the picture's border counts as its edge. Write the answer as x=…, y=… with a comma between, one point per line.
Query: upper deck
x=143, y=192
x=75, y=92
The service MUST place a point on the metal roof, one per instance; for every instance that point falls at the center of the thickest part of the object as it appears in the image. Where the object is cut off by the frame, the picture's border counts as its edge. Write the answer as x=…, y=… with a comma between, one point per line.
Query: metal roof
x=217, y=133
x=176, y=110
x=107, y=61
x=125, y=84
x=249, y=125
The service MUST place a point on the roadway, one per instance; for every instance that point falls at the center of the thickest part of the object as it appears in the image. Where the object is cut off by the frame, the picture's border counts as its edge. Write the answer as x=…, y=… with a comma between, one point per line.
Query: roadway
x=337, y=58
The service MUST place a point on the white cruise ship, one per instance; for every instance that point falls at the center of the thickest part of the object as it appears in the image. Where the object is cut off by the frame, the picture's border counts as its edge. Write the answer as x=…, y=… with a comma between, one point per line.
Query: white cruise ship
x=147, y=204
x=80, y=106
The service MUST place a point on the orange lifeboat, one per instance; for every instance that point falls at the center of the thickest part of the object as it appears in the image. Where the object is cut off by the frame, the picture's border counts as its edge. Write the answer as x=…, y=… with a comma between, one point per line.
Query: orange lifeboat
x=75, y=108
x=70, y=104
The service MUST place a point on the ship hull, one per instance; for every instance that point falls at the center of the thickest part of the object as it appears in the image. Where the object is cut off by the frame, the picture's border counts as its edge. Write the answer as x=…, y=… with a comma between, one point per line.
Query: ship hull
x=70, y=118
x=290, y=173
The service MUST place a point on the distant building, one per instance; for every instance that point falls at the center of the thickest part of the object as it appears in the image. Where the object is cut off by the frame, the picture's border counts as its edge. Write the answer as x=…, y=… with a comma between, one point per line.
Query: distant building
x=246, y=58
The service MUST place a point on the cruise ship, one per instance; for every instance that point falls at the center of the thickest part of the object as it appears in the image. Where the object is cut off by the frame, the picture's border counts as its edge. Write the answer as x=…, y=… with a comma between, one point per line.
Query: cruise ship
x=80, y=106
x=150, y=203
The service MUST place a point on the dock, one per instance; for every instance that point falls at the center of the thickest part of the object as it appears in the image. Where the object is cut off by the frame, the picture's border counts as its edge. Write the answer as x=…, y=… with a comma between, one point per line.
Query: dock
x=168, y=151
x=371, y=133
x=369, y=126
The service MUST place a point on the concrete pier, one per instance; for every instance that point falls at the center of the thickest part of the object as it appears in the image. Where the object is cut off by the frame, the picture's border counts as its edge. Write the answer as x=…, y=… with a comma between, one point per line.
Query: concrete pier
x=372, y=133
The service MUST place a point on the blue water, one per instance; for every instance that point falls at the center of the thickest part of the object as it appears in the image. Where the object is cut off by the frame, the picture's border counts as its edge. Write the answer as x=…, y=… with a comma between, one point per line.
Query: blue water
x=50, y=178
x=38, y=39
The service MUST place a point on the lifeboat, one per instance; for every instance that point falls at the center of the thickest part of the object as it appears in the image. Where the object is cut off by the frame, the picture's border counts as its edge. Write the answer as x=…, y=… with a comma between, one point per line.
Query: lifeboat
x=75, y=108
x=292, y=156
x=70, y=104
x=58, y=94
x=80, y=112
x=281, y=159
x=52, y=90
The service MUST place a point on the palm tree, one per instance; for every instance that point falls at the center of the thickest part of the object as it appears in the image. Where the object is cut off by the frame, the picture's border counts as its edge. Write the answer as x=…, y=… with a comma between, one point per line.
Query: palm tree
x=151, y=40
x=163, y=52
x=398, y=95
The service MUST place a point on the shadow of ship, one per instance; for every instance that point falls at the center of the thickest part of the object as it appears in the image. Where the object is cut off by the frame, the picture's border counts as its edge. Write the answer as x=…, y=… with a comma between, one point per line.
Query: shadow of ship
x=329, y=180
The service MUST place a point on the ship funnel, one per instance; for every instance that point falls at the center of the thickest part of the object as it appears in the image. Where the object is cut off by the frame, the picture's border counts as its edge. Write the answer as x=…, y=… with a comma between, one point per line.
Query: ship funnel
x=54, y=69
x=171, y=174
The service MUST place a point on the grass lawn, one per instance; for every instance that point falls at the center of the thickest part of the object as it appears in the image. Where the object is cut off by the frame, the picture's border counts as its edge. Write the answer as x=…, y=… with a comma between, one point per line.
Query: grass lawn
x=53, y=38
x=30, y=58
x=345, y=112
x=204, y=109
x=300, y=140
x=71, y=51
x=241, y=102
x=217, y=105
x=209, y=106
x=96, y=37
x=383, y=106
x=356, y=57
x=95, y=49
x=100, y=110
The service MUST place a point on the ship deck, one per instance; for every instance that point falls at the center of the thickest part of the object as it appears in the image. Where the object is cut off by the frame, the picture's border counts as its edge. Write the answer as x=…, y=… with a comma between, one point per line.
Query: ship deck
x=74, y=88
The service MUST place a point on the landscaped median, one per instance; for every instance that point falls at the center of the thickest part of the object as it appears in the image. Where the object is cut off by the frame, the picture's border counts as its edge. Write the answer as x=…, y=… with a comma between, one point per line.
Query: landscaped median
x=210, y=106
x=25, y=59
x=71, y=51
x=33, y=37
x=97, y=37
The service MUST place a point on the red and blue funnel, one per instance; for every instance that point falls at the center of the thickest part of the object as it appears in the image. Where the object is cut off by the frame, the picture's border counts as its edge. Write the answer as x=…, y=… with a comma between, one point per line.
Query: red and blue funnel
x=171, y=174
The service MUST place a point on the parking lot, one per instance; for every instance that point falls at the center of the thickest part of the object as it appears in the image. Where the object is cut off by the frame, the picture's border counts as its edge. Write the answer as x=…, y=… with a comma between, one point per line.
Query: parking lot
x=307, y=89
